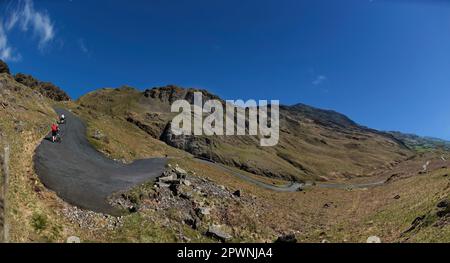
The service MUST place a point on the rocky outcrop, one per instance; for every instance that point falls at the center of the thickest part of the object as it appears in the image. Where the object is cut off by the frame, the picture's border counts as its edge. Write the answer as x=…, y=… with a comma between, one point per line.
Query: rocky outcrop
x=152, y=124
x=47, y=89
x=199, y=146
x=4, y=68
x=171, y=93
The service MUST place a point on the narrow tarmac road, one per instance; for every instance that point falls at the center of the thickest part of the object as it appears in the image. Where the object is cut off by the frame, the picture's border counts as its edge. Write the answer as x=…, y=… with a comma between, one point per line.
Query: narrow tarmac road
x=292, y=186
x=84, y=177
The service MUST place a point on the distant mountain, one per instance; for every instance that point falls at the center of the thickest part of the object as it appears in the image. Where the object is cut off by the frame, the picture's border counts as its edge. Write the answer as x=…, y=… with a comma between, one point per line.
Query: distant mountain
x=421, y=143
x=326, y=117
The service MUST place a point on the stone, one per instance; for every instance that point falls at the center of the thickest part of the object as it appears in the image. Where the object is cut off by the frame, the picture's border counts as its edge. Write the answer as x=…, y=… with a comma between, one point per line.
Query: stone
x=204, y=211
x=216, y=231
x=397, y=197
x=237, y=193
x=194, y=223
x=98, y=135
x=442, y=213
x=373, y=239
x=180, y=172
x=162, y=185
x=186, y=182
x=289, y=238
x=443, y=204
x=73, y=239
x=132, y=209
x=168, y=178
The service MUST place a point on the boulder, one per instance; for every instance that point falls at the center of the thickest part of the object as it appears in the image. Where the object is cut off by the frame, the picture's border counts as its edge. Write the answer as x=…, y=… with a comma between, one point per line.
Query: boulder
x=180, y=172
x=162, y=185
x=373, y=240
x=443, y=204
x=289, y=238
x=168, y=178
x=216, y=232
x=186, y=182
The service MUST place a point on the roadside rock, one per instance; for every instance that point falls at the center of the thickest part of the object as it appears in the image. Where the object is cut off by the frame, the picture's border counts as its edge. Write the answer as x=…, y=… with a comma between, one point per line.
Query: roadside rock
x=180, y=172
x=186, y=182
x=91, y=220
x=168, y=178
x=180, y=196
x=98, y=135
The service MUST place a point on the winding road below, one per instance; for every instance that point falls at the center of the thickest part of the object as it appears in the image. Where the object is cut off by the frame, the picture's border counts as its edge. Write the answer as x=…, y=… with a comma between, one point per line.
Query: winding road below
x=83, y=176
x=292, y=186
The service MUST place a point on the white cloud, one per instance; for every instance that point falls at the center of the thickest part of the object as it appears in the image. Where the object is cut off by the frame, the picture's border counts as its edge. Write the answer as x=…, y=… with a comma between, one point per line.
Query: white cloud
x=83, y=46
x=319, y=80
x=6, y=51
x=22, y=15
x=27, y=17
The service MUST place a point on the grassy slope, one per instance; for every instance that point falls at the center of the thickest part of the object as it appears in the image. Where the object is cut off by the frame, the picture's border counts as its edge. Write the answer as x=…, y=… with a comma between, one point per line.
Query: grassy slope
x=32, y=215
x=307, y=149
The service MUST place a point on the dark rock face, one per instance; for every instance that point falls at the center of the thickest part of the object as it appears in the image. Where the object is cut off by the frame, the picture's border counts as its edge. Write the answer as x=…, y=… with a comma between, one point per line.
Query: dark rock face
x=199, y=146
x=4, y=67
x=171, y=93
x=47, y=89
x=290, y=238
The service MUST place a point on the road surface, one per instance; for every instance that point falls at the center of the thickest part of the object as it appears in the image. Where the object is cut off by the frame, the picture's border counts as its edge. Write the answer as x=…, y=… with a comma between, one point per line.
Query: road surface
x=84, y=177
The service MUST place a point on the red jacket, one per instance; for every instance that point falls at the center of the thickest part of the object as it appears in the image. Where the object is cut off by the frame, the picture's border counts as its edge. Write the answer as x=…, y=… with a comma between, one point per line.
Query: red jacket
x=54, y=128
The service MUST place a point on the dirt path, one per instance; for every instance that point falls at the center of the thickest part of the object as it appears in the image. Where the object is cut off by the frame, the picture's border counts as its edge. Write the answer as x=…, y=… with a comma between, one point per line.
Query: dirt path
x=84, y=177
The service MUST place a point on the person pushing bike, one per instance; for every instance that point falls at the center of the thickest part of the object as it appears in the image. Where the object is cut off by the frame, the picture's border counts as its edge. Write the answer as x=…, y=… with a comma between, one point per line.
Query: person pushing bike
x=55, y=131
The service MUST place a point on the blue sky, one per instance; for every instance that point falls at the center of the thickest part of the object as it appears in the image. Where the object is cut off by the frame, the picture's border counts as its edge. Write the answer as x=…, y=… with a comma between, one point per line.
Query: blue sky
x=385, y=64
